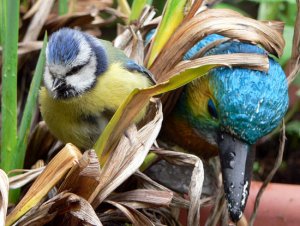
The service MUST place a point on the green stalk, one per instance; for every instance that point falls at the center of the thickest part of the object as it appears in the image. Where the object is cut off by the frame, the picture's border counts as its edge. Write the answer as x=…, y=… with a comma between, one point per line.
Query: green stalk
x=10, y=19
x=2, y=20
x=9, y=84
x=62, y=7
x=30, y=107
x=268, y=10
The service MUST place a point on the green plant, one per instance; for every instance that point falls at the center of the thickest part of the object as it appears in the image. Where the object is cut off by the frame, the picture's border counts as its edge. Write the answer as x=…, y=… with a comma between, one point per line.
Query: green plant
x=14, y=142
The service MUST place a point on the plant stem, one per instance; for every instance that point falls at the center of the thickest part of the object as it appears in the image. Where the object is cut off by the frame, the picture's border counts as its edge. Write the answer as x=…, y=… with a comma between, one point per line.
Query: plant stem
x=9, y=85
x=10, y=16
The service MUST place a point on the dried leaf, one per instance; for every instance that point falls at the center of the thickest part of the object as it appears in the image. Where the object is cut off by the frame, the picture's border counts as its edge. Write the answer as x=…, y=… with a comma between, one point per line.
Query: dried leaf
x=63, y=203
x=143, y=198
x=3, y=196
x=124, y=40
x=195, y=188
x=136, y=217
x=38, y=21
x=84, y=177
x=23, y=179
x=55, y=171
x=33, y=9
x=127, y=157
x=224, y=22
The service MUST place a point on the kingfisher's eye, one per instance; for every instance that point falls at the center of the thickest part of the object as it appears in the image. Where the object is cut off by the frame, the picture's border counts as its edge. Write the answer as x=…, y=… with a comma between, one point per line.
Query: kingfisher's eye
x=212, y=109
x=74, y=70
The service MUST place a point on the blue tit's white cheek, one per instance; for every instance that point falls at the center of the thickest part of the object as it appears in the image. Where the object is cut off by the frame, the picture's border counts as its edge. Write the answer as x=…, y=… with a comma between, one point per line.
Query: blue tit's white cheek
x=85, y=78
x=48, y=81
x=84, y=51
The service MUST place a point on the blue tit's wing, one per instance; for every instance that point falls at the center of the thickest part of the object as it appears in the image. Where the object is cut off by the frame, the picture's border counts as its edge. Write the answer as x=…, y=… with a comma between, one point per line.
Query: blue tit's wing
x=116, y=55
x=113, y=54
x=133, y=66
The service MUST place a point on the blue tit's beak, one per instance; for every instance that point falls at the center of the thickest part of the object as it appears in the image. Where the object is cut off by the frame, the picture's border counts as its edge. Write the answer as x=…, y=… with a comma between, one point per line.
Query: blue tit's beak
x=236, y=163
x=57, y=84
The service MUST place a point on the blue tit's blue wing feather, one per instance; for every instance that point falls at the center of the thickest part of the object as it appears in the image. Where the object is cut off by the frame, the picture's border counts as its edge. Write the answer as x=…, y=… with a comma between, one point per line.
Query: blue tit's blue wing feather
x=133, y=66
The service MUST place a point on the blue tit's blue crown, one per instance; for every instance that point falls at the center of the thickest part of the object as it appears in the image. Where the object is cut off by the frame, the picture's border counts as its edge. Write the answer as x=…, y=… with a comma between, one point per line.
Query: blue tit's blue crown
x=63, y=47
x=67, y=46
x=250, y=103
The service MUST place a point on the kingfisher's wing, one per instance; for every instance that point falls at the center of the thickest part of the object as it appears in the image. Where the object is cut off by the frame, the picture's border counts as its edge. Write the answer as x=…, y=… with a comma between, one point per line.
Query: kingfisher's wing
x=116, y=55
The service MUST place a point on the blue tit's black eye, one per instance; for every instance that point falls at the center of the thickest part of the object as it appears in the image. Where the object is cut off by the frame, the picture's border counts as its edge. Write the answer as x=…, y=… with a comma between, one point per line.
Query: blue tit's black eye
x=74, y=70
x=212, y=109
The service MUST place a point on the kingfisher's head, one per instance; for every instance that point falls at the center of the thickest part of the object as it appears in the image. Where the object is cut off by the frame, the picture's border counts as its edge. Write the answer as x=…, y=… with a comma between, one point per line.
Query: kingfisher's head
x=233, y=108
x=73, y=61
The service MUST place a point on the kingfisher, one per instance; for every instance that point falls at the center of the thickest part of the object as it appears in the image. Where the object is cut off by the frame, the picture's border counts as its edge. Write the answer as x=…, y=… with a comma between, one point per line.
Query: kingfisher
x=225, y=112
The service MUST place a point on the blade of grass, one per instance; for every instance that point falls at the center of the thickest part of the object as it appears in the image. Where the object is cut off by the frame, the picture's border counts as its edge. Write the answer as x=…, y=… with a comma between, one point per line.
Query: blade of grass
x=62, y=7
x=137, y=7
x=2, y=21
x=172, y=16
x=9, y=84
x=30, y=108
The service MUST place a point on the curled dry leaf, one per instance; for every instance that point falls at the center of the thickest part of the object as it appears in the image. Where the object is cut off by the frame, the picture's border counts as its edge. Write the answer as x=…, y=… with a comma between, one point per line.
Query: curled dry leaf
x=195, y=187
x=224, y=22
x=3, y=196
x=136, y=217
x=143, y=198
x=38, y=21
x=19, y=181
x=124, y=40
x=84, y=177
x=127, y=157
x=77, y=208
x=147, y=183
x=53, y=173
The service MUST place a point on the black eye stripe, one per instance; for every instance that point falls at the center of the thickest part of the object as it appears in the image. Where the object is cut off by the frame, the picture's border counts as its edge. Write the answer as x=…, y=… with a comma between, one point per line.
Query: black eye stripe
x=212, y=109
x=74, y=70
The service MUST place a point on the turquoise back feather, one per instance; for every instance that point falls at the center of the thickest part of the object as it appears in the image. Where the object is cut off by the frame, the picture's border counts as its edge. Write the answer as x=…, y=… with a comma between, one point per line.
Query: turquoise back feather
x=249, y=103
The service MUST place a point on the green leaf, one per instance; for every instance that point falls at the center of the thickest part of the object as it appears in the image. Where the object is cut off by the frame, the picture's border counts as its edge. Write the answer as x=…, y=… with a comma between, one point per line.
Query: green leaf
x=172, y=17
x=30, y=107
x=9, y=83
x=288, y=34
x=229, y=6
x=137, y=7
x=293, y=128
x=272, y=1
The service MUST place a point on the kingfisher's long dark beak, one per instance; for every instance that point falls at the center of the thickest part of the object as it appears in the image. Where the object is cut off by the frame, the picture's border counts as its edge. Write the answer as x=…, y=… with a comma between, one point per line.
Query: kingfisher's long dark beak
x=236, y=163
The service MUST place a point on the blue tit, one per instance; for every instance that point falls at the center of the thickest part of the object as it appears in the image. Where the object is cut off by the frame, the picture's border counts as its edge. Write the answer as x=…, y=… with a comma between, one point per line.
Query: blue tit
x=85, y=80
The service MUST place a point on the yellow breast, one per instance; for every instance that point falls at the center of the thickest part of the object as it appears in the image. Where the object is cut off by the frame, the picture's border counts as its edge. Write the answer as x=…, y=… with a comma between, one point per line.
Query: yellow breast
x=80, y=120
